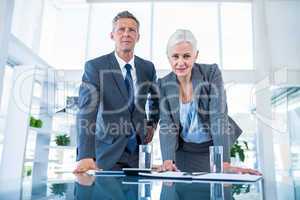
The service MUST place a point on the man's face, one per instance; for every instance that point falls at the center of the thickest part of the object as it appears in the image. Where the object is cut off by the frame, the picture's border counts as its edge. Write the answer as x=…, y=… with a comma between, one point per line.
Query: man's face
x=125, y=34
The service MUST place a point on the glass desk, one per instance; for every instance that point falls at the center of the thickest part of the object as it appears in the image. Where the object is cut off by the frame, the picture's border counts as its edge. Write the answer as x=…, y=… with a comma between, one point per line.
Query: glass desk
x=140, y=188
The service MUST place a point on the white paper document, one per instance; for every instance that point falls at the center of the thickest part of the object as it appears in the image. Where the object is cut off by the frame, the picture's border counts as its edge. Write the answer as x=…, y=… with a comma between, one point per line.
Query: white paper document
x=105, y=173
x=228, y=177
x=203, y=176
x=175, y=175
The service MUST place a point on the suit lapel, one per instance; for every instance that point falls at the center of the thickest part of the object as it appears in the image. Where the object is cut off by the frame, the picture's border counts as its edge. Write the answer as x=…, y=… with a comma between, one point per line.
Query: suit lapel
x=198, y=82
x=140, y=76
x=141, y=79
x=172, y=93
x=200, y=93
x=117, y=75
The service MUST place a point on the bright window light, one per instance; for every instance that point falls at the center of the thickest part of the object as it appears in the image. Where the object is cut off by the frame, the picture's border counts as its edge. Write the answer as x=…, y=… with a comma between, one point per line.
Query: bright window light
x=237, y=36
x=244, y=102
x=63, y=37
x=72, y=35
x=26, y=21
x=200, y=18
x=99, y=42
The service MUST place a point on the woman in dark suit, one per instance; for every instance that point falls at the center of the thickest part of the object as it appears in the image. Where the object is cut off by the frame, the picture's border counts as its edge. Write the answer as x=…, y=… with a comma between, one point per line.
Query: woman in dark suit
x=193, y=109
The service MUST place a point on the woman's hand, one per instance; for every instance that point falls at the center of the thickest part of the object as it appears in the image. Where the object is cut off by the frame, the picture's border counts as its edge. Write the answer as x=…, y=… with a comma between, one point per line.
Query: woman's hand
x=239, y=170
x=168, y=165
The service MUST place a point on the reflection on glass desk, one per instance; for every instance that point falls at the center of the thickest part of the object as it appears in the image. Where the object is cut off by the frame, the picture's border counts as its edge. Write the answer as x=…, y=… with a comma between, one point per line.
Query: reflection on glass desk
x=87, y=187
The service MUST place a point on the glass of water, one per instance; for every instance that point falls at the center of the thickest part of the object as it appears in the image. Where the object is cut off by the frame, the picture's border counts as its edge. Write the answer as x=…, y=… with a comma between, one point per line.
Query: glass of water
x=216, y=191
x=216, y=159
x=145, y=156
x=144, y=191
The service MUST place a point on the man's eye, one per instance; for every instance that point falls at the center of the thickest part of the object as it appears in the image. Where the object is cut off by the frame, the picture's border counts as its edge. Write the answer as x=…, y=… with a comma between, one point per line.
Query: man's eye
x=132, y=30
x=187, y=56
x=175, y=56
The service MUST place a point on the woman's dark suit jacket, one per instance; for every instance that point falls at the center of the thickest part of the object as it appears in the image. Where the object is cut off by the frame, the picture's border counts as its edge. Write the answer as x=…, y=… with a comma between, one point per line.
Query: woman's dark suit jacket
x=209, y=93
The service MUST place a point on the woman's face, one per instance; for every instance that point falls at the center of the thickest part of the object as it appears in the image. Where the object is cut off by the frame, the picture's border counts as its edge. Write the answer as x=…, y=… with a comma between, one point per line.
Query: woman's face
x=182, y=57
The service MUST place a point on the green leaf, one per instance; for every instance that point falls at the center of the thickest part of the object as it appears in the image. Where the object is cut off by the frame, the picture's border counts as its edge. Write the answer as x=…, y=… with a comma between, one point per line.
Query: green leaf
x=238, y=149
x=232, y=152
x=247, y=189
x=246, y=145
x=32, y=122
x=241, y=155
x=62, y=140
x=59, y=189
x=38, y=123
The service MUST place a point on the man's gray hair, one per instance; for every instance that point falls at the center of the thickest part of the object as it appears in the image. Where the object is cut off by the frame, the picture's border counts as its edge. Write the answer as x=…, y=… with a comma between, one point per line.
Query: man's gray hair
x=181, y=35
x=125, y=14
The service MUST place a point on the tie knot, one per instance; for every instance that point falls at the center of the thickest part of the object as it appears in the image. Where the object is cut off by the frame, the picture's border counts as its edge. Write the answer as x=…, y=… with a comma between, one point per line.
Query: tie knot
x=128, y=67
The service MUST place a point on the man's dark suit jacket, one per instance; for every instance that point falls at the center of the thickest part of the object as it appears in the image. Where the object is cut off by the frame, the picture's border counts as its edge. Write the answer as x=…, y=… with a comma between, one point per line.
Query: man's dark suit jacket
x=104, y=122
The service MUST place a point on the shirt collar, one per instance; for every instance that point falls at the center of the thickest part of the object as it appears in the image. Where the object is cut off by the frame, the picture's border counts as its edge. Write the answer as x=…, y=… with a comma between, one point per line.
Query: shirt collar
x=122, y=63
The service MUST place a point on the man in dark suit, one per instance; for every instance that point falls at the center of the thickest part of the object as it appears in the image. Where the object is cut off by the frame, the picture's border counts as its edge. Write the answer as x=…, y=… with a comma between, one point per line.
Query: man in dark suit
x=112, y=121
x=101, y=187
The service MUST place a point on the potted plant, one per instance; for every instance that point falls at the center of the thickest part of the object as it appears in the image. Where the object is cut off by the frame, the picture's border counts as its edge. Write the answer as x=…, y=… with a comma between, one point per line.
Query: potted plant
x=36, y=123
x=237, y=151
x=27, y=171
x=237, y=154
x=238, y=189
x=62, y=140
x=59, y=189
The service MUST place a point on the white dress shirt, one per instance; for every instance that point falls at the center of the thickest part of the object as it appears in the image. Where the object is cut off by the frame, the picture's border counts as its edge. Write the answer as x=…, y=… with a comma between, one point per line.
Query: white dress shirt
x=122, y=64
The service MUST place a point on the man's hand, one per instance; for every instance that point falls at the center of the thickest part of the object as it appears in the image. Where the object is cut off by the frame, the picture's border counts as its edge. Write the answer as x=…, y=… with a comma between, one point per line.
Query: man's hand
x=150, y=132
x=84, y=179
x=85, y=165
x=168, y=165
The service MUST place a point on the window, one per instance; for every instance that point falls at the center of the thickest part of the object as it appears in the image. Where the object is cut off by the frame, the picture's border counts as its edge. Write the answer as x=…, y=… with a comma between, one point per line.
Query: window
x=99, y=42
x=64, y=34
x=246, y=100
x=26, y=22
x=73, y=34
x=285, y=128
x=223, y=31
x=240, y=110
x=200, y=18
x=237, y=36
